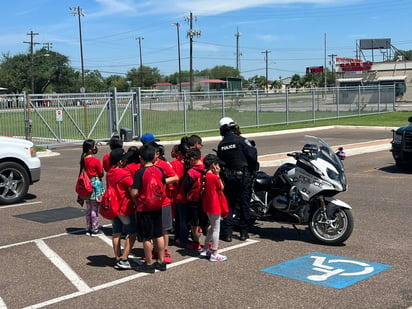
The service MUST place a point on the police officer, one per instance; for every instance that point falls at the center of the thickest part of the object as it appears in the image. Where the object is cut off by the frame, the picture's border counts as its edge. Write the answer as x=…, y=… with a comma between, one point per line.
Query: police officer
x=240, y=158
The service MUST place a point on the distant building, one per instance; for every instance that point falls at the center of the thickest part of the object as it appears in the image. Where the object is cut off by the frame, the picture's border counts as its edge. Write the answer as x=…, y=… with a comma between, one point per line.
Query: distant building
x=354, y=72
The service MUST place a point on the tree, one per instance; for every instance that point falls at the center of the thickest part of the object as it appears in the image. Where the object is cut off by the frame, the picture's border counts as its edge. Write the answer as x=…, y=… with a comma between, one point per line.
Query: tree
x=148, y=75
x=402, y=55
x=220, y=72
x=117, y=81
x=295, y=81
x=49, y=70
x=257, y=82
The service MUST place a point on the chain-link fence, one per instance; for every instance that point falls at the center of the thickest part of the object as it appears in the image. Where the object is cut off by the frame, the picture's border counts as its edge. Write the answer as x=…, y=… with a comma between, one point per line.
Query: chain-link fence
x=50, y=119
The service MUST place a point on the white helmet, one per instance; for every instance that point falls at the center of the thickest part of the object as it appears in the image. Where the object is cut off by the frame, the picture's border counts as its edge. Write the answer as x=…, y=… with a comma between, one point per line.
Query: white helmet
x=226, y=121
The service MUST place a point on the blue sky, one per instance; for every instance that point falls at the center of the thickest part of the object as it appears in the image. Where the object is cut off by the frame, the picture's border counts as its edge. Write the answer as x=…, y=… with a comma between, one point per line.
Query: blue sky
x=293, y=32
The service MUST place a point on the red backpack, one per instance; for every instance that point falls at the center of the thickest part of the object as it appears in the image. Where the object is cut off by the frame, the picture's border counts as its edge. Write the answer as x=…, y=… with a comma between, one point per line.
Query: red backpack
x=83, y=185
x=196, y=191
x=154, y=192
x=109, y=206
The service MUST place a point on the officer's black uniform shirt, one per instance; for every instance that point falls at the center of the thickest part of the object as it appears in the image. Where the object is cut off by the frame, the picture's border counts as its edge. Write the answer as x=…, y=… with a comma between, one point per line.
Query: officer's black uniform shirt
x=237, y=153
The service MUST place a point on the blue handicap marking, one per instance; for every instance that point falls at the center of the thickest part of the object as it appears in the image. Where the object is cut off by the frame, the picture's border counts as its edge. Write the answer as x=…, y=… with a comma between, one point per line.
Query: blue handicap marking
x=327, y=270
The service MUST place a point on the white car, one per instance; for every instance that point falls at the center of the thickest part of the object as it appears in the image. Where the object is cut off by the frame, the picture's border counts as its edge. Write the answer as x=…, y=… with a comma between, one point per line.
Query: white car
x=19, y=168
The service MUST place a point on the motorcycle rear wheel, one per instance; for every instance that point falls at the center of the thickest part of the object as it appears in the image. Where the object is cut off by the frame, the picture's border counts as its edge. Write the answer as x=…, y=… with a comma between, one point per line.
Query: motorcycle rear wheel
x=333, y=231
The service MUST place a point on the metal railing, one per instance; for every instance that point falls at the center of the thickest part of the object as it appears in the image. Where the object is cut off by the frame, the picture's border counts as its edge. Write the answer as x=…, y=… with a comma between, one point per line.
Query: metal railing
x=51, y=119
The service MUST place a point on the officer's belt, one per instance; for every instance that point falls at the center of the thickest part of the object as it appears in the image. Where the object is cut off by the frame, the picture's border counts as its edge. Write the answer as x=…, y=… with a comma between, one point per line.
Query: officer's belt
x=234, y=172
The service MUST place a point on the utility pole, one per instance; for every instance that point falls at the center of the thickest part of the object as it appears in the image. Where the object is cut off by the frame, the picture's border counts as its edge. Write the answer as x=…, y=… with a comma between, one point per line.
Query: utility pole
x=266, y=52
x=79, y=12
x=178, y=55
x=332, y=62
x=190, y=34
x=32, y=43
x=48, y=45
x=238, y=53
x=141, y=61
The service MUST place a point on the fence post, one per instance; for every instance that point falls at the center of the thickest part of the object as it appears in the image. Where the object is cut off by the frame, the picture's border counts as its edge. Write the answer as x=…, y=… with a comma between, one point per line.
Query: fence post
x=27, y=117
x=223, y=103
x=379, y=98
x=112, y=115
x=359, y=99
x=287, y=105
x=185, y=111
x=313, y=91
x=337, y=93
x=257, y=108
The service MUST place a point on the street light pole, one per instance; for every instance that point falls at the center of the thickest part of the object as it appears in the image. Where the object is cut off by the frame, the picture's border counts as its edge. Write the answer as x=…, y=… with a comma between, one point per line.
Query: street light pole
x=178, y=56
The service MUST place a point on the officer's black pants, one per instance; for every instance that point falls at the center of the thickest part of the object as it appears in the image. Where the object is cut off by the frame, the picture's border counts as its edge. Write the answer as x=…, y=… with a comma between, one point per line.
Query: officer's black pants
x=238, y=194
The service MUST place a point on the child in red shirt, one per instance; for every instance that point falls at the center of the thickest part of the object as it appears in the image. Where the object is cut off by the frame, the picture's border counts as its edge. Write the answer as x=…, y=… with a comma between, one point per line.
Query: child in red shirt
x=93, y=168
x=121, y=181
x=149, y=221
x=214, y=205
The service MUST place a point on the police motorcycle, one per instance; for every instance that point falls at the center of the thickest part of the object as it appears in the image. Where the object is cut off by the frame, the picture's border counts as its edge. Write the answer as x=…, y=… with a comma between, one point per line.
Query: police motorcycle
x=303, y=193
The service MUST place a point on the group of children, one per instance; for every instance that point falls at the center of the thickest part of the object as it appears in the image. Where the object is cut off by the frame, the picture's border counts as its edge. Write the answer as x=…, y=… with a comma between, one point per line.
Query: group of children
x=154, y=195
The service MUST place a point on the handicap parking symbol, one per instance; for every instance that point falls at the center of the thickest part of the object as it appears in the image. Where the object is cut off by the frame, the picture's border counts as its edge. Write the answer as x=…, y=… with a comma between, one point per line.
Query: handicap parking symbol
x=327, y=270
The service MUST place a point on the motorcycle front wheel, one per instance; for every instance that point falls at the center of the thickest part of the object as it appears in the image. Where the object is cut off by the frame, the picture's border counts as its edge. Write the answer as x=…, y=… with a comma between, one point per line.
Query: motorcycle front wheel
x=334, y=230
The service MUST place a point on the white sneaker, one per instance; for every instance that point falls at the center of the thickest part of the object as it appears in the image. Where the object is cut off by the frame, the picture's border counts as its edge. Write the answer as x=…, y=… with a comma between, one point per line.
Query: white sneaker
x=205, y=253
x=217, y=258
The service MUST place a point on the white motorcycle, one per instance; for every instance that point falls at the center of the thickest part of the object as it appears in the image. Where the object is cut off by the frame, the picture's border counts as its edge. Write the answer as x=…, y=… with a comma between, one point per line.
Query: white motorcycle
x=303, y=193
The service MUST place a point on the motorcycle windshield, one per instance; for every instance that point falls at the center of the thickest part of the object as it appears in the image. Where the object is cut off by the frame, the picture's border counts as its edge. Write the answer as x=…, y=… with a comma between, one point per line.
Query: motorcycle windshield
x=325, y=152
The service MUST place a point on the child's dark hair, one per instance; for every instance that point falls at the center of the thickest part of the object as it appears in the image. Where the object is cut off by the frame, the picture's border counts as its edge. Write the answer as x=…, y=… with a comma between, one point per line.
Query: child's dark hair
x=134, y=158
x=87, y=145
x=147, y=152
x=193, y=153
x=115, y=142
x=184, y=145
x=194, y=139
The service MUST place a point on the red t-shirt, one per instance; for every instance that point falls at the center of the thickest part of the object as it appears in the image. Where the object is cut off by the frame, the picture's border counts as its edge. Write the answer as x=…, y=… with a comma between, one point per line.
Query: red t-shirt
x=121, y=181
x=169, y=172
x=213, y=195
x=179, y=168
x=106, y=162
x=132, y=168
x=93, y=166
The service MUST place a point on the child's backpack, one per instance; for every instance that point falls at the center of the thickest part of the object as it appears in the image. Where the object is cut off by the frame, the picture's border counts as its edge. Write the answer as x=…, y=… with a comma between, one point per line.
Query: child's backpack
x=154, y=193
x=84, y=185
x=196, y=191
x=109, y=206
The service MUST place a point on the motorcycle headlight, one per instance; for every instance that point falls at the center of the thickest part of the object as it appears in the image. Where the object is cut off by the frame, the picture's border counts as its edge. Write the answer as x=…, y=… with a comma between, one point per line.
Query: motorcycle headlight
x=332, y=174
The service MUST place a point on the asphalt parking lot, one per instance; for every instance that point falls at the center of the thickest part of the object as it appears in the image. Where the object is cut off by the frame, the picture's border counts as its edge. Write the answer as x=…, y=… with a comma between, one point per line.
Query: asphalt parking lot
x=48, y=261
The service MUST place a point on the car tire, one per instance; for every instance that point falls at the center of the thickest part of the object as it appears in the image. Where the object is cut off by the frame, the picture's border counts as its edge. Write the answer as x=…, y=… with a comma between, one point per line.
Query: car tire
x=14, y=183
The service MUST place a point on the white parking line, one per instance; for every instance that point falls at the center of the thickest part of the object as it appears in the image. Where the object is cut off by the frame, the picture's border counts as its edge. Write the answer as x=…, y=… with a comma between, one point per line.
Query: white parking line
x=19, y=205
x=129, y=278
x=76, y=280
x=2, y=304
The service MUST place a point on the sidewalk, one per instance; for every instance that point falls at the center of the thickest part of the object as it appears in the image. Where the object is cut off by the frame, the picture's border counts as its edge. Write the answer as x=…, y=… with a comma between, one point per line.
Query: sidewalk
x=350, y=150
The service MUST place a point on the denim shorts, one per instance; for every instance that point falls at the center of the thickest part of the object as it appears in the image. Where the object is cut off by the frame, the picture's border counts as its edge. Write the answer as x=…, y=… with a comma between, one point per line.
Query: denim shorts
x=125, y=224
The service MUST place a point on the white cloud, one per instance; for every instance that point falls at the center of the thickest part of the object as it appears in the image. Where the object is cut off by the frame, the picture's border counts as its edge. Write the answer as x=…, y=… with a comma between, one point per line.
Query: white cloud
x=201, y=7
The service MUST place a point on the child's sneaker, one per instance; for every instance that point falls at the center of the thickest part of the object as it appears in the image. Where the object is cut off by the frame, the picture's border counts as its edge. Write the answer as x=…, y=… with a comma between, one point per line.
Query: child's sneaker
x=122, y=264
x=167, y=258
x=150, y=269
x=160, y=266
x=96, y=233
x=194, y=246
x=217, y=258
x=205, y=253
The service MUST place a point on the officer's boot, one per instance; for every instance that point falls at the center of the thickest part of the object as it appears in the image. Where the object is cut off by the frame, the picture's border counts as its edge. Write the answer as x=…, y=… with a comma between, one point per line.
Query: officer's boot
x=243, y=234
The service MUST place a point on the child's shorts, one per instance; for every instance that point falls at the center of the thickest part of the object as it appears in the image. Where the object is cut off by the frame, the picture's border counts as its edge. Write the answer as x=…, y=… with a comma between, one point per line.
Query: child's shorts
x=150, y=224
